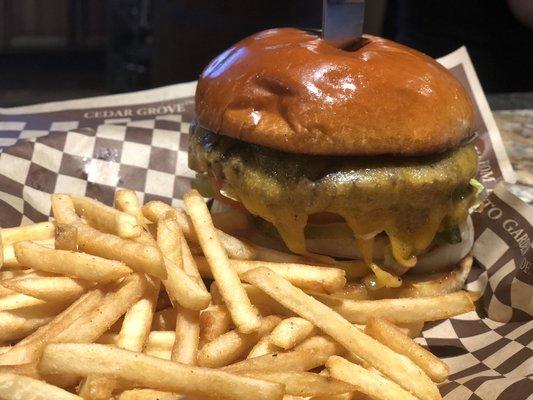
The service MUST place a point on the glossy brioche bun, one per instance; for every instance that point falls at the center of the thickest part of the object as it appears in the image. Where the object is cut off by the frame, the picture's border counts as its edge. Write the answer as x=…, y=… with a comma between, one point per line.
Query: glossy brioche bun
x=292, y=91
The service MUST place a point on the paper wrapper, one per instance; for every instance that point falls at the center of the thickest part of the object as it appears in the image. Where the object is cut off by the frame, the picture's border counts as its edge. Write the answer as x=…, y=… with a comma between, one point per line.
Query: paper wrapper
x=139, y=141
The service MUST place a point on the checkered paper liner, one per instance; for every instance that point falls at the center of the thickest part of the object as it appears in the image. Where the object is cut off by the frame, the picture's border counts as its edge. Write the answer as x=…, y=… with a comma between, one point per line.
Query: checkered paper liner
x=139, y=141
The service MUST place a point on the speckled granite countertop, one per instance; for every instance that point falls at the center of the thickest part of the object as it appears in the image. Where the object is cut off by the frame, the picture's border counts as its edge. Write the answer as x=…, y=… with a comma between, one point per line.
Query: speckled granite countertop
x=516, y=127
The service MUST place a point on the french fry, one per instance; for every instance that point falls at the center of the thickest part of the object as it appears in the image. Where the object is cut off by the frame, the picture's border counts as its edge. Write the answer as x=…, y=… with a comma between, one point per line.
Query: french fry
x=216, y=297
x=5, y=349
x=342, y=396
x=16, y=324
x=187, y=325
x=63, y=209
x=271, y=255
x=126, y=200
x=4, y=291
x=233, y=345
x=18, y=300
x=148, y=394
x=292, y=331
x=6, y=275
x=391, y=336
x=39, y=231
x=150, y=372
x=164, y=354
x=181, y=288
x=66, y=237
x=105, y=218
x=405, y=310
x=303, y=383
x=28, y=349
x=264, y=346
x=29, y=370
x=399, y=369
x=91, y=325
x=321, y=342
x=77, y=265
x=97, y=387
x=154, y=210
x=214, y=321
x=304, y=276
x=411, y=329
x=157, y=340
x=368, y=382
x=168, y=240
x=138, y=319
x=187, y=260
x=186, y=343
x=160, y=341
x=173, y=245
x=16, y=387
x=57, y=288
x=308, y=355
x=132, y=336
x=164, y=320
x=243, y=314
x=263, y=302
x=138, y=257
x=235, y=248
x=10, y=259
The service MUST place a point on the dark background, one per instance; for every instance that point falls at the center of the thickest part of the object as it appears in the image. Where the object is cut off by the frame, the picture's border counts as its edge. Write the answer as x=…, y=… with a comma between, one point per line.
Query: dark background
x=61, y=49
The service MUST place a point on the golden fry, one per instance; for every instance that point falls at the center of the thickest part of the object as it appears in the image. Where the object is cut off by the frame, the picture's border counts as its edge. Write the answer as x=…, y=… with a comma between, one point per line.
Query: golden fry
x=242, y=312
x=391, y=336
x=15, y=387
x=77, y=265
x=39, y=231
x=304, y=276
x=404, y=310
x=150, y=372
x=397, y=368
x=56, y=288
x=63, y=209
x=233, y=345
x=367, y=382
x=136, y=256
x=292, y=331
x=66, y=237
x=105, y=218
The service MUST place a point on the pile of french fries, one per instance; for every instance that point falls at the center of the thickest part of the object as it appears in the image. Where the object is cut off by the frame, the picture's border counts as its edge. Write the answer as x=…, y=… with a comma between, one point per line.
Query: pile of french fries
x=157, y=302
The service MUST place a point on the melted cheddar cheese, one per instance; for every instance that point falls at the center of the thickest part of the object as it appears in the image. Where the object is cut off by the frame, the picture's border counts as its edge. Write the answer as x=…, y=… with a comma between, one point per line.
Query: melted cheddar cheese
x=409, y=199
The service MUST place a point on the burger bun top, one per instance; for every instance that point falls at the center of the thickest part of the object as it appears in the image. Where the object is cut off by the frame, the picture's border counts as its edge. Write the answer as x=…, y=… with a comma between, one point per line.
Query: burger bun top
x=290, y=90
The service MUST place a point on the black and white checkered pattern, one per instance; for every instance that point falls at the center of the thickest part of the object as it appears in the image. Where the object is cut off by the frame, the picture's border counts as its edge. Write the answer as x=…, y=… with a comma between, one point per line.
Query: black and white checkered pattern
x=144, y=155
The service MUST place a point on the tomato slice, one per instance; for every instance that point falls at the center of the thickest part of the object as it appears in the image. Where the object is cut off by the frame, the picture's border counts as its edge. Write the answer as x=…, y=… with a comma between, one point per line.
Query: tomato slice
x=216, y=184
x=318, y=218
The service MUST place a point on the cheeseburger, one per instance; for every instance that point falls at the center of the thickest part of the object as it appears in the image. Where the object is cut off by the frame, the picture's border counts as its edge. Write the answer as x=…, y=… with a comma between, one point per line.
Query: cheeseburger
x=356, y=154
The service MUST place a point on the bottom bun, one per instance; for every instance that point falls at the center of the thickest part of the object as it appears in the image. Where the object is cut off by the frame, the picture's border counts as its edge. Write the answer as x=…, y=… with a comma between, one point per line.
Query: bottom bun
x=439, y=258
x=414, y=285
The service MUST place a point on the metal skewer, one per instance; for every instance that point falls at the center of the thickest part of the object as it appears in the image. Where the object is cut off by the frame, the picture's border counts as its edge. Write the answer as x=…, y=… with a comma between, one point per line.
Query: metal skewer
x=342, y=21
